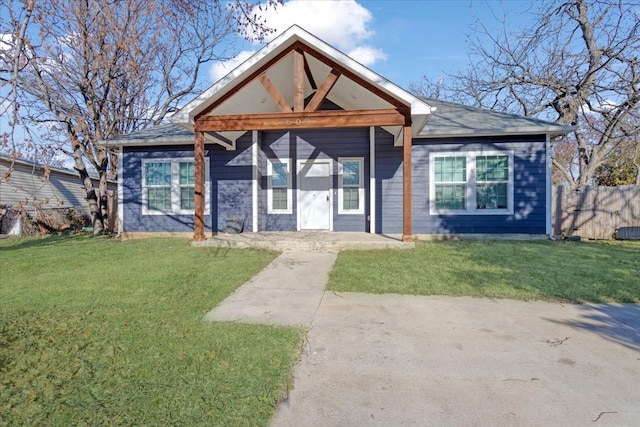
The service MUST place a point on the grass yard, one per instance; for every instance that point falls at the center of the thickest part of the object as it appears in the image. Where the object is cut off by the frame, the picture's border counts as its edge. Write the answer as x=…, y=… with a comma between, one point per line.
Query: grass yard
x=95, y=331
x=555, y=271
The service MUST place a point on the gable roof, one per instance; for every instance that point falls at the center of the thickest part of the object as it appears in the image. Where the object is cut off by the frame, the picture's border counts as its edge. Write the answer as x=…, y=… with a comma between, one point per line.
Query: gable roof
x=450, y=120
x=242, y=93
x=273, y=59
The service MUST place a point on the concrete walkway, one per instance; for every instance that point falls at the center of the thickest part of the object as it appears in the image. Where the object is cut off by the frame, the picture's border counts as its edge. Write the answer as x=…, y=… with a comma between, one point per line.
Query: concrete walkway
x=287, y=292
x=393, y=360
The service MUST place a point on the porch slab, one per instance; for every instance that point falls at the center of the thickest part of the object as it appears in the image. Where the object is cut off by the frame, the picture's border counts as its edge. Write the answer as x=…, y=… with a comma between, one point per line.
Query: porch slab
x=306, y=240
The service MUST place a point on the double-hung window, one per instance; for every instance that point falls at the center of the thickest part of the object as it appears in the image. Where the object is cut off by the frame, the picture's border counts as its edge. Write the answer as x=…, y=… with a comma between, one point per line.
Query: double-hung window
x=350, y=185
x=471, y=183
x=279, y=188
x=168, y=186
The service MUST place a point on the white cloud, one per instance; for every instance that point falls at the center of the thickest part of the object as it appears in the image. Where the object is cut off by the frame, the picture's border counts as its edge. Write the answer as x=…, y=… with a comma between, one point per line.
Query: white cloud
x=367, y=55
x=341, y=23
x=344, y=24
x=6, y=41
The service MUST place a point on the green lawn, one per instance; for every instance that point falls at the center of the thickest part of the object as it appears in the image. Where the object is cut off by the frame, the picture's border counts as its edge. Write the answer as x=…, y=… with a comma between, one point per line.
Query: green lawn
x=555, y=271
x=94, y=331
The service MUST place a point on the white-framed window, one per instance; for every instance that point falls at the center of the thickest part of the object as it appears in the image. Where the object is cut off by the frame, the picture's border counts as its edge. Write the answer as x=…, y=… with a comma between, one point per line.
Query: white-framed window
x=168, y=186
x=279, y=186
x=471, y=183
x=350, y=185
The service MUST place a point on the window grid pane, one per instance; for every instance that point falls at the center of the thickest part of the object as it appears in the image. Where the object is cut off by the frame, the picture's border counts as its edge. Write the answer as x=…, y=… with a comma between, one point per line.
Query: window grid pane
x=187, y=198
x=450, y=196
x=159, y=199
x=187, y=173
x=158, y=173
x=279, y=199
x=491, y=196
x=492, y=168
x=351, y=198
x=450, y=169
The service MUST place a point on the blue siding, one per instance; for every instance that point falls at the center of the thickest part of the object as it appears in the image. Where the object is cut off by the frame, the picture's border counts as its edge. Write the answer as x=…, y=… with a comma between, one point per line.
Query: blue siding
x=133, y=220
x=231, y=183
x=315, y=144
x=230, y=180
x=529, y=215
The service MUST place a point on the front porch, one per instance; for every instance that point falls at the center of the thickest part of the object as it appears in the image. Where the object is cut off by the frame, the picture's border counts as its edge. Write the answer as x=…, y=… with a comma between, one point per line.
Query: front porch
x=306, y=240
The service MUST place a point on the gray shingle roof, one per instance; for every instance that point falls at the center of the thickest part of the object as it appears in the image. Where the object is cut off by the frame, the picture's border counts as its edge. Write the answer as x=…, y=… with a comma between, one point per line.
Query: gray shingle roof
x=448, y=120
x=163, y=134
x=452, y=119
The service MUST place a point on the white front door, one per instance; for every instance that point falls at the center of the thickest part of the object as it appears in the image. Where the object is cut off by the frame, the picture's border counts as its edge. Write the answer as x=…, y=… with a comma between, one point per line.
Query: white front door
x=314, y=207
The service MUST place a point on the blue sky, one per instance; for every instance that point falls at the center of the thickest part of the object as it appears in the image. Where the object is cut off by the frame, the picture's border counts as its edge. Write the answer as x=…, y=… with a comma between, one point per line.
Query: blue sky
x=400, y=39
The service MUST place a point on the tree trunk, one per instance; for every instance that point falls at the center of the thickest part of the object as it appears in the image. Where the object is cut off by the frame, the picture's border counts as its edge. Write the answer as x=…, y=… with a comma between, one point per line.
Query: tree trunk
x=97, y=220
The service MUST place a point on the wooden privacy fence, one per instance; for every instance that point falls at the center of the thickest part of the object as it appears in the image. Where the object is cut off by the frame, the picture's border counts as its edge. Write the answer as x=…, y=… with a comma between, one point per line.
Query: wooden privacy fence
x=597, y=212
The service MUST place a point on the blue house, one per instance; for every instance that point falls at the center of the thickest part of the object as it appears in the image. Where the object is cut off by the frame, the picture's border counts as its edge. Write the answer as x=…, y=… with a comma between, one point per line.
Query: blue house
x=302, y=137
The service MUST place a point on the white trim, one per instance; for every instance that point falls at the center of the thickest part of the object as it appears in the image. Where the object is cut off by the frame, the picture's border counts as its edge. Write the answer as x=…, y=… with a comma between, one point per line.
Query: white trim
x=361, y=198
x=120, y=190
x=470, y=197
x=372, y=180
x=175, y=187
x=255, y=140
x=270, y=209
x=299, y=164
x=549, y=179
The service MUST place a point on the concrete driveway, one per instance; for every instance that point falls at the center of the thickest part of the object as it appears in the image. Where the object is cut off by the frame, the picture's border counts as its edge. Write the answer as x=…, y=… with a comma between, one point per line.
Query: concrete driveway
x=393, y=360
x=431, y=361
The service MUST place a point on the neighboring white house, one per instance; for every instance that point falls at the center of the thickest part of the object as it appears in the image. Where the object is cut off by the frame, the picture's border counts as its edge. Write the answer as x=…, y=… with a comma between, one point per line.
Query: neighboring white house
x=33, y=185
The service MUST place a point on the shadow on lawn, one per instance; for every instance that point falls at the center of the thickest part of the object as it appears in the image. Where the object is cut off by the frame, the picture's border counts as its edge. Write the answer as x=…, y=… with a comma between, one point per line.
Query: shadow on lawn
x=16, y=243
x=557, y=271
x=619, y=323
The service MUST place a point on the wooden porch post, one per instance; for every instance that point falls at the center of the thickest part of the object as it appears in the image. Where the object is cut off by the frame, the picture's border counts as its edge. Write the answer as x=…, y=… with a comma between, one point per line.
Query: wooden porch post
x=198, y=163
x=407, y=235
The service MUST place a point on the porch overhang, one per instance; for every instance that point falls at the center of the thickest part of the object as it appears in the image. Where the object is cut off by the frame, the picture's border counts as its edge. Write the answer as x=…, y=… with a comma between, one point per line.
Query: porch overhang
x=283, y=87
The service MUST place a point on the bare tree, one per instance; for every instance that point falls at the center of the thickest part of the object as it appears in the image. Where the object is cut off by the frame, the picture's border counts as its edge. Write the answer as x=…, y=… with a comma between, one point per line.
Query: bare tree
x=88, y=70
x=577, y=65
x=14, y=22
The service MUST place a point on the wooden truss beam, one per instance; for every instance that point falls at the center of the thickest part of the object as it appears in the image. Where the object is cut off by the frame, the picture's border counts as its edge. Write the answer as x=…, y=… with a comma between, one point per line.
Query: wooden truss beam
x=307, y=71
x=323, y=91
x=298, y=81
x=303, y=120
x=275, y=94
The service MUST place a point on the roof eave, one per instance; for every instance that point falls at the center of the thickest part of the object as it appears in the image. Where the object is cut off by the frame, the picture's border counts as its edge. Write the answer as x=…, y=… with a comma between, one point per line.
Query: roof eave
x=551, y=132
x=138, y=143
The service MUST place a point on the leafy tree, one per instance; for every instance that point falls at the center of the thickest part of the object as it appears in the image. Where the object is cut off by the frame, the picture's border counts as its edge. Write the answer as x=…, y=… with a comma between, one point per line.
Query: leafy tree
x=88, y=70
x=577, y=64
